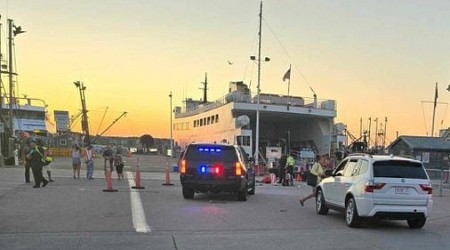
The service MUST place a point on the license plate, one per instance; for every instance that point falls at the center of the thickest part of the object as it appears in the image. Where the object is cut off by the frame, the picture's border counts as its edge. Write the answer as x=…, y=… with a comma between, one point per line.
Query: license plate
x=401, y=190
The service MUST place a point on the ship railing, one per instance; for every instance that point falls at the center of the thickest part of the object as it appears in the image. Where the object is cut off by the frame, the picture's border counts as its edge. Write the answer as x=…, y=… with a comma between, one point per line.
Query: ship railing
x=267, y=99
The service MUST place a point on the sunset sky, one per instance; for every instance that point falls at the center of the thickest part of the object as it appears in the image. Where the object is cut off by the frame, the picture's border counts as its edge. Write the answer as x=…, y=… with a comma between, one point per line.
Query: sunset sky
x=375, y=58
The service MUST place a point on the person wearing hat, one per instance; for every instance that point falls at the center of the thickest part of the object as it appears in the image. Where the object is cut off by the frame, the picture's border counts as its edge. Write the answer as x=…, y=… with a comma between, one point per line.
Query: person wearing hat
x=36, y=155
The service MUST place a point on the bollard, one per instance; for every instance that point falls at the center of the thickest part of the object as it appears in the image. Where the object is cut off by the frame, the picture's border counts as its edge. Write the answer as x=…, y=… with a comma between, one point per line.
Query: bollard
x=109, y=187
x=167, y=176
x=138, y=177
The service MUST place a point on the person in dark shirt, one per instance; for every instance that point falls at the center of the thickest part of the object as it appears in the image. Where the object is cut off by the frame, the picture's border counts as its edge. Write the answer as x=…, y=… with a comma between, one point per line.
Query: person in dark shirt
x=36, y=155
x=281, y=168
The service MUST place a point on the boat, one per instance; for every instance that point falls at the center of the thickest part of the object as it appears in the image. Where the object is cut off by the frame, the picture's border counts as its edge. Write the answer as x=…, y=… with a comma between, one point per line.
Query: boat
x=20, y=117
x=264, y=124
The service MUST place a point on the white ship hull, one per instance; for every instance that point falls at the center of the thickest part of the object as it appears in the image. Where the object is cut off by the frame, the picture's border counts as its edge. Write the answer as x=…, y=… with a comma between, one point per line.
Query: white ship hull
x=294, y=126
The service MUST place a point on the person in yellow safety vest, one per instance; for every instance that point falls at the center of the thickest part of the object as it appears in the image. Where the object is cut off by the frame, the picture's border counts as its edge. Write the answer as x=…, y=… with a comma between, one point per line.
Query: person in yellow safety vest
x=48, y=163
x=290, y=162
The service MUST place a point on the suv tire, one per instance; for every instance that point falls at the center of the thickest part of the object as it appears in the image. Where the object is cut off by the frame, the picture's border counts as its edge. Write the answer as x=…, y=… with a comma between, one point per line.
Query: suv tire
x=416, y=223
x=188, y=193
x=352, y=218
x=242, y=195
x=320, y=203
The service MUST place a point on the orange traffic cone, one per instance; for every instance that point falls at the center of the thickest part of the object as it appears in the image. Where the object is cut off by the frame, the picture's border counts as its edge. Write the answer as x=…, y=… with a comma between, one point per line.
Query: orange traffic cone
x=138, y=177
x=167, y=176
x=109, y=187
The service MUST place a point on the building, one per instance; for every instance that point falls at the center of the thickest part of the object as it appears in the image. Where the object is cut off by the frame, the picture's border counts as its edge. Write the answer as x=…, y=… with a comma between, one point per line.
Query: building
x=434, y=152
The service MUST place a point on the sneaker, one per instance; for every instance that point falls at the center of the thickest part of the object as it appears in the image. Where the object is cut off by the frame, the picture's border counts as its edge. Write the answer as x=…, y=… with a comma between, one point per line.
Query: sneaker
x=36, y=186
x=51, y=180
x=45, y=183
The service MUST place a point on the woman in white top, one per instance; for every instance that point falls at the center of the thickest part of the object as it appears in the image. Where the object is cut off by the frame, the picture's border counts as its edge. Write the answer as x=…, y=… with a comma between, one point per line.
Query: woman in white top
x=76, y=161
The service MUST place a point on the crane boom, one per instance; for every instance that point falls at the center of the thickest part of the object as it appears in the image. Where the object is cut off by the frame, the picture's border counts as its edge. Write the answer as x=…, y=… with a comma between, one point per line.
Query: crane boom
x=117, y=119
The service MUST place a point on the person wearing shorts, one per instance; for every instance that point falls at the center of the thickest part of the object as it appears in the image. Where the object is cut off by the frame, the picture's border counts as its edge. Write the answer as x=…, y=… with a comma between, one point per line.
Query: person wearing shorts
x=76, y=161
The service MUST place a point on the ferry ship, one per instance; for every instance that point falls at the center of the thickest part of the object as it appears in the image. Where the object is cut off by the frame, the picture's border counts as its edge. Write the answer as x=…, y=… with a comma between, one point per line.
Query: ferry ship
x=264, y=124
x=286, y=122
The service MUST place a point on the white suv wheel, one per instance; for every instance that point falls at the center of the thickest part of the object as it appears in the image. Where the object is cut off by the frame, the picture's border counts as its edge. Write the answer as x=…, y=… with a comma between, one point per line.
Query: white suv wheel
x=351, y=214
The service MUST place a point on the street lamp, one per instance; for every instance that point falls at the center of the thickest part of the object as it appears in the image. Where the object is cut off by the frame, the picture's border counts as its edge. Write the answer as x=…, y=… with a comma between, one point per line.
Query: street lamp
x=258, y=90
x=266, y=59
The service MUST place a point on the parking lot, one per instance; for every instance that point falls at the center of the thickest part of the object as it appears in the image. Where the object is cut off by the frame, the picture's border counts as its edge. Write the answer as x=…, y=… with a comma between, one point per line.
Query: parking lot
x=77, y=214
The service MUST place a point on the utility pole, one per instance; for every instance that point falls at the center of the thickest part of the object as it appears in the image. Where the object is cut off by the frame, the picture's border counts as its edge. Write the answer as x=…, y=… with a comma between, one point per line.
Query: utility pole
x=84, y=121
x=171, y=126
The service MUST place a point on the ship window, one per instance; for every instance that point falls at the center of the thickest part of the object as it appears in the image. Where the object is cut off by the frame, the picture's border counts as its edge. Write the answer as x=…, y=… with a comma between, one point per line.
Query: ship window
x=204, y=121
x=213, y=119
x=195, y=123
x=62, y=142
x=217, y=118
x=209, y=120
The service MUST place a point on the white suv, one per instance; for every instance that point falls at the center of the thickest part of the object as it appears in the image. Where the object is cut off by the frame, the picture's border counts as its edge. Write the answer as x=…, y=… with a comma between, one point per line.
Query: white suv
x=379, y=186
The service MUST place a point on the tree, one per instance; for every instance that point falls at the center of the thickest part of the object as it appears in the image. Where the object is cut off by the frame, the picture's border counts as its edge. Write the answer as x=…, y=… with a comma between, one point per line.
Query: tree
x=146, y=141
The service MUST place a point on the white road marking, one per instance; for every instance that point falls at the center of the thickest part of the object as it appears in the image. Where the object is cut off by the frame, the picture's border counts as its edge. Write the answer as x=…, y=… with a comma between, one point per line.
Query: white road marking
x=137, y=211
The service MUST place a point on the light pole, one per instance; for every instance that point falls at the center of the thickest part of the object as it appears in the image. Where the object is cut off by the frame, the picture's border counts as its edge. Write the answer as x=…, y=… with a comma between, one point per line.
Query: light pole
x=258, y=87
x=171, y=127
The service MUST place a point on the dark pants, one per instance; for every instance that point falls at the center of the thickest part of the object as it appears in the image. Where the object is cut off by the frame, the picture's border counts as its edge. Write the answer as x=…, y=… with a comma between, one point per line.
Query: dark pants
x=27, y=172
x=290, y=170
x=281, y=174
x=37, y=173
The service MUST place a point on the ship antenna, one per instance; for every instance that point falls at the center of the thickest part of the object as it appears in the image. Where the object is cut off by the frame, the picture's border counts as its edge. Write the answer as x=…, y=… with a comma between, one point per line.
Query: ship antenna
x=205, y=89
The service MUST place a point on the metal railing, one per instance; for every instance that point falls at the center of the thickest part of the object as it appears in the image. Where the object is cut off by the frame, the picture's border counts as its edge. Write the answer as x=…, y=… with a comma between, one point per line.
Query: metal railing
x=440, y=180
x=323, y=104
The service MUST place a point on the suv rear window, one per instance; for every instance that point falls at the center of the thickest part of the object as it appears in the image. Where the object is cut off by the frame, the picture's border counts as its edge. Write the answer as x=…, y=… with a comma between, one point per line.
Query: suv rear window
x=211, y=153
x=399, y=169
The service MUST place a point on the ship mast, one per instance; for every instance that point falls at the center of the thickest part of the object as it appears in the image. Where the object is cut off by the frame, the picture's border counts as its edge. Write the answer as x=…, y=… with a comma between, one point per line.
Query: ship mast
x=258, y=89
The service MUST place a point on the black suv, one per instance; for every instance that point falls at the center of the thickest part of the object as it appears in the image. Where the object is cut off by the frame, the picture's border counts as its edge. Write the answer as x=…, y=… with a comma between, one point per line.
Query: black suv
x=216, y=168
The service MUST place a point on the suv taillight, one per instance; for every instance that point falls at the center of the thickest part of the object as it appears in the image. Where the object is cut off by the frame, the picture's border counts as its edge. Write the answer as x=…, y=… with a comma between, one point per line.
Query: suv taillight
x=183, y=167
x=238, y=168
x=370, y=186
x=427, y=188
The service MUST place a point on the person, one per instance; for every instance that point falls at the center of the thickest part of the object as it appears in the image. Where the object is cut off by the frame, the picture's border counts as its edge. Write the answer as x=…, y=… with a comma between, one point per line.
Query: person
x=290, y=162
x=48, y=163
x=26, y=161
x=118, y=163
x=76, y=161
x=108, y=156
x=281, y=168
x=36, y=156
x=89, y=162
x=318, y=171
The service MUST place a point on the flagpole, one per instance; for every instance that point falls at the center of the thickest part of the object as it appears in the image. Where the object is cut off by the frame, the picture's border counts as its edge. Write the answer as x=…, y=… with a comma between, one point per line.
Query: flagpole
x=434, y=109
x=289, y=86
